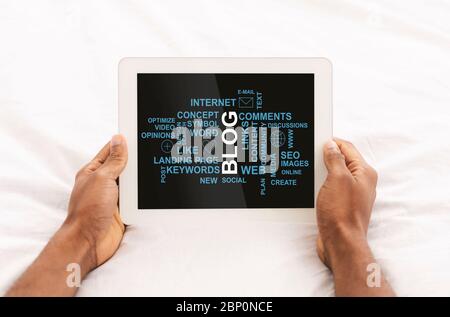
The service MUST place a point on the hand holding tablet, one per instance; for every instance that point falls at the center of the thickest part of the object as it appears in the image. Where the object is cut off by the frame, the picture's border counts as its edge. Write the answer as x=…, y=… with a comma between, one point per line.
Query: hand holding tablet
x=221, y=133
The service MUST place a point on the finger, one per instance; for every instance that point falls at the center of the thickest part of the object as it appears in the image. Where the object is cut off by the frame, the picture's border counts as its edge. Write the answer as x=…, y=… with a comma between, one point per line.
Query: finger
x=118, y=156
x=355, y=162
x=102, y=155
x=350, y=152
x=333, y=158
x=119, y=221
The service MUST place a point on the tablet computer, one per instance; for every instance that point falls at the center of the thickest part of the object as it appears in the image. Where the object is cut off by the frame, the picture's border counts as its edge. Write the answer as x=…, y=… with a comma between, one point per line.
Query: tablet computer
x=230, y=134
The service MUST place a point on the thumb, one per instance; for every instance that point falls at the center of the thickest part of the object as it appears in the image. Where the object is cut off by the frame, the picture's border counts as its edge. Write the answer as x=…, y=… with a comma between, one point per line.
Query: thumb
x=118, y=156
x=334, y=159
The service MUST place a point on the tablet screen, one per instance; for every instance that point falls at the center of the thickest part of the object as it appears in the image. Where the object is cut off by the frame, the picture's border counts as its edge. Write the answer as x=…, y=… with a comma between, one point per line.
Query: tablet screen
x=225, y=141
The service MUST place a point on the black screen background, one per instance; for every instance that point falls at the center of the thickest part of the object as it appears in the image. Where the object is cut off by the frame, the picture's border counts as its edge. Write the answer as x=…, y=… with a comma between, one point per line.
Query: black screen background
x=165, y=94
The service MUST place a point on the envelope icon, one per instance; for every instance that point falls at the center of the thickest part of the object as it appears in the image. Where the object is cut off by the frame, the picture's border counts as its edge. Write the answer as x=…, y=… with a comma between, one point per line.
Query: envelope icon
x=245, y=102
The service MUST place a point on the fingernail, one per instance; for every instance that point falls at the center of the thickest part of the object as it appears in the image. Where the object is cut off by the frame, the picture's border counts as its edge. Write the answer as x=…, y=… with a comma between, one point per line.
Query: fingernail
x=332, y=146
x=116, y=140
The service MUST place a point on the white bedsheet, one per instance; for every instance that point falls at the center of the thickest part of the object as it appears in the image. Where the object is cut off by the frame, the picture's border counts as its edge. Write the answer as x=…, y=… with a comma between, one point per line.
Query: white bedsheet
x=58, y=106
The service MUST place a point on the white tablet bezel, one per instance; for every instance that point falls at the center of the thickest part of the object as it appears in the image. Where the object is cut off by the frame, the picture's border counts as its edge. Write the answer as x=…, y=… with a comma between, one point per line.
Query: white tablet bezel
x=129, y=68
